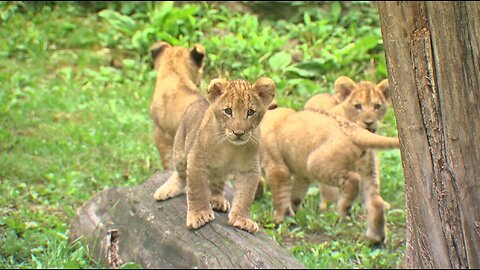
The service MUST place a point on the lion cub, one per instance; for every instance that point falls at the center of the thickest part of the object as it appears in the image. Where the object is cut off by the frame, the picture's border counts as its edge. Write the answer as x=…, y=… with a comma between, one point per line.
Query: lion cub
x=216, y=138
x=178, y=74
x=364, y=103
x=301, y=147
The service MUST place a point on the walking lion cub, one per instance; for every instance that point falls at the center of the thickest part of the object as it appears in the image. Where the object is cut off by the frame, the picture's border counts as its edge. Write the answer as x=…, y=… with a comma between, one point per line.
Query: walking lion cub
x=301, y=147
x=179, y=71
x=217, y=138
x=364, y=103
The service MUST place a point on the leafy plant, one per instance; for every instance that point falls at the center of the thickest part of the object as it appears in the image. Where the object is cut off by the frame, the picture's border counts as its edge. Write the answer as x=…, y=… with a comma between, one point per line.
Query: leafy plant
x=76, y=82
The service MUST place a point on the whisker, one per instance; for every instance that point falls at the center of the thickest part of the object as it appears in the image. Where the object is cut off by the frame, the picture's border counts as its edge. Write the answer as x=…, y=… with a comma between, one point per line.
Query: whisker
x=255, y=139
x=221, y=139
x=219, y=134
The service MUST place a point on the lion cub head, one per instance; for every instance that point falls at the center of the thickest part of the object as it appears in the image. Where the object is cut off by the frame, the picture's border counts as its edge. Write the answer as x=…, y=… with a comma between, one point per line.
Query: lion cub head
x=183, y=61
x=239, y=106
x=364, y=102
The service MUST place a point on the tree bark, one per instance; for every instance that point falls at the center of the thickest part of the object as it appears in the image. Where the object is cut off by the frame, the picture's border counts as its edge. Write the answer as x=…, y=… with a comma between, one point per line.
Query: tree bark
x=127, y=225
x=432, y=52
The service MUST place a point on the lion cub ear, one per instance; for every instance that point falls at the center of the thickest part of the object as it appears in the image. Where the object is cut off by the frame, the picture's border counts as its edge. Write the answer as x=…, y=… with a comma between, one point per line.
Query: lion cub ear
x=216, y=88
x=156, y=49
x=197, y=52
x=265, y=88
x=272, y=105
x=384, y=87
x=343, y=87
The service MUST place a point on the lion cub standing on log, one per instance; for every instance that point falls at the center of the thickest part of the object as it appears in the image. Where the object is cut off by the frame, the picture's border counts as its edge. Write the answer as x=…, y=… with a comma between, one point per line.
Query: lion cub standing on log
x=178, y=74
x=217, y=138
x=301, y=147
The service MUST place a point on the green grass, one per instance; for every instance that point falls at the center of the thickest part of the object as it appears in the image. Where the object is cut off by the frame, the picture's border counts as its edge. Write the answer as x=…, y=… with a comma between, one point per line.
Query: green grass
x=71, y=124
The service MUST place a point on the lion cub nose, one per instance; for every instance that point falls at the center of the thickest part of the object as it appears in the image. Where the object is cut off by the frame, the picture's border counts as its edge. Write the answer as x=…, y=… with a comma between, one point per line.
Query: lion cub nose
x=239, y=133
x=368, y=122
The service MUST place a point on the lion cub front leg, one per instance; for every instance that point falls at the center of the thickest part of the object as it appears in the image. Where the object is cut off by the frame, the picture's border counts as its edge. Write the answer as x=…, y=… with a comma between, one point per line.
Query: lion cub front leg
x=199, y=211
x=174, y=186
x=245, y=187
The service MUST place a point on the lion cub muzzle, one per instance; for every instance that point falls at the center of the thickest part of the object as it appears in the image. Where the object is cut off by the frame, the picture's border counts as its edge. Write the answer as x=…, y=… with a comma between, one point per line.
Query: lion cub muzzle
x=370, y=125
x=237, y=137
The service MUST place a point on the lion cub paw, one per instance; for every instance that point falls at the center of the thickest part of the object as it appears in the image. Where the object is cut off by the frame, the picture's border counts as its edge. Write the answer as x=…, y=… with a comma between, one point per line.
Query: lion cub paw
x=196, y=219
x=167, y=191
x=219, y=203
x=376, y=236
x=323, y=205
x=243, y=223
x=281, y=214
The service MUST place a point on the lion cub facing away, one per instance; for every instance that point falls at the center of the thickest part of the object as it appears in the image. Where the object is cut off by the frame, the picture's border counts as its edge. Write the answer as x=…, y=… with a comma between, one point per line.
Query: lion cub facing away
x=305, y=146
x=366, y=104
x=217, y=138
x=178, y=74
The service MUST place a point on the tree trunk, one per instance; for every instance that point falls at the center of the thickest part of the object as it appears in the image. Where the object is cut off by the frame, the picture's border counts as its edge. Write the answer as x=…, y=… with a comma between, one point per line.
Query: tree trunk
x=127, y=225
x=432, y=51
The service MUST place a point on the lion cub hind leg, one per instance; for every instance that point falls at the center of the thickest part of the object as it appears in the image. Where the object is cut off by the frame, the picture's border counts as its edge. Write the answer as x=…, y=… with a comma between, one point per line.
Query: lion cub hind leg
x=260, y=189
x=299, y=190
x=348, y=192
x=376, y=220
x=164, y=142
x=327, y=194
x=217, y=200
x=219, y=203
x=174, y=186
x=331, y=167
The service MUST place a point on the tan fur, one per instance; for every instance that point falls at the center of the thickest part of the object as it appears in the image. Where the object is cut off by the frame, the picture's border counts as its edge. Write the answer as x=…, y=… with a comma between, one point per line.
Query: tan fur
x=325, y=101
x=301, y=147
x=178, y=75
x=347, y=95
x=216, y=139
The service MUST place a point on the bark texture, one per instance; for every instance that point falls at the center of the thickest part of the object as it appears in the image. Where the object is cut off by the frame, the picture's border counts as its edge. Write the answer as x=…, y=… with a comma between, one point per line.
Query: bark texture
x=127, y=225
x=432, y=51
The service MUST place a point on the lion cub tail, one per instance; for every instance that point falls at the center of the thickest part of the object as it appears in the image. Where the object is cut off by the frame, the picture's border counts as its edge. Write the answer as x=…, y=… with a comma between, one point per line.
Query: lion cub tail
x=367, y=139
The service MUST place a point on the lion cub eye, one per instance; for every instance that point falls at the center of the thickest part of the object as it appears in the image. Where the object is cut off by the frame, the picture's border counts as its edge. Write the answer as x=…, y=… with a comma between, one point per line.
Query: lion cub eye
x=377, y=106
x=358, y=106
x=228, y=111
x=250, y=112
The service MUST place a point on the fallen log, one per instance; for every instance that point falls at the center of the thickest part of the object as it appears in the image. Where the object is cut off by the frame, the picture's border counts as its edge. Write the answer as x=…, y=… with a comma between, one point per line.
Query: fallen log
x=127, y=225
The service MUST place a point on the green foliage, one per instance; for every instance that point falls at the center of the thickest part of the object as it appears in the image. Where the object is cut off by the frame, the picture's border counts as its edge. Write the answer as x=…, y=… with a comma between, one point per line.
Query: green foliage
x=320, y=239
x=76, y=83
